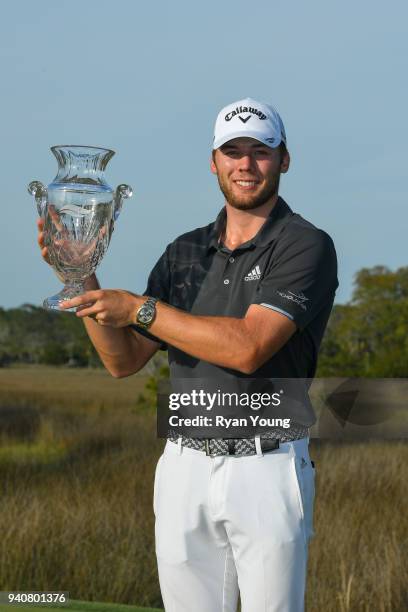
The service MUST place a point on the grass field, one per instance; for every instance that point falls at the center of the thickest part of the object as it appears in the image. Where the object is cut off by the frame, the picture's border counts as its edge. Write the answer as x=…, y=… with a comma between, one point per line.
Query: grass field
x=75, y=512
x=72, y=387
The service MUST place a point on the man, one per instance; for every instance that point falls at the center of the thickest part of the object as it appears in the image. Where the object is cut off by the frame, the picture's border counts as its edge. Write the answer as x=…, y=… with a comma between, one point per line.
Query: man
x=246, y=297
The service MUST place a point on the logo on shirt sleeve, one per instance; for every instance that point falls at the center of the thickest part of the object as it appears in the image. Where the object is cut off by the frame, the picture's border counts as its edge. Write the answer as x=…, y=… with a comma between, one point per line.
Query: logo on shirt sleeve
x=299, y=298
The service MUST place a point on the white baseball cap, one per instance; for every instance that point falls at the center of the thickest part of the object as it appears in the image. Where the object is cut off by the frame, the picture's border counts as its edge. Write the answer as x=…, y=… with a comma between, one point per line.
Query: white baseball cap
x=251, y=119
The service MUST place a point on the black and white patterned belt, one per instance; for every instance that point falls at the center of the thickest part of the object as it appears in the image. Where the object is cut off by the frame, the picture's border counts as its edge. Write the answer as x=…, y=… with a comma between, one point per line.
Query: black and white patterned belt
x=241, y=447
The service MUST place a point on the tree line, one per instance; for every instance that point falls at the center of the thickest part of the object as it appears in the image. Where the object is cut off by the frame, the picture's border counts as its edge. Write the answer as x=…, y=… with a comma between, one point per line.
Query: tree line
x=367, y=337
x=31, y=335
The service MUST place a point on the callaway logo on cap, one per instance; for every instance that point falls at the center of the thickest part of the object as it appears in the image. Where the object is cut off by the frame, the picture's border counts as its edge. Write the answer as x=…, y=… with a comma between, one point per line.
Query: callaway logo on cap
x=251, y=119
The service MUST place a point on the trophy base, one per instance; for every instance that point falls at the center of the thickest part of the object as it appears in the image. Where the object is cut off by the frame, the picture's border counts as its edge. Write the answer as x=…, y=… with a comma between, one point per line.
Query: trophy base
x=68, y=292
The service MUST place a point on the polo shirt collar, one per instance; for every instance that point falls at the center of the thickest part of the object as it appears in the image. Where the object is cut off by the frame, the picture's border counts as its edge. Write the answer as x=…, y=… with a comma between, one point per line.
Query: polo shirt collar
x=217, y=229
x=279, y=216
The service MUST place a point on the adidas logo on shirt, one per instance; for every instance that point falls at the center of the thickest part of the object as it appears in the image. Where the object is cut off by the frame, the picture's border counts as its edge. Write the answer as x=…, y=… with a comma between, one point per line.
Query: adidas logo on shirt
x=255, y=274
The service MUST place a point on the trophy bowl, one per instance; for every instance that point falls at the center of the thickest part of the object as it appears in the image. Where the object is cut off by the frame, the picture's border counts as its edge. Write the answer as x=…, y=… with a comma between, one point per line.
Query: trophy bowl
x=79, y=209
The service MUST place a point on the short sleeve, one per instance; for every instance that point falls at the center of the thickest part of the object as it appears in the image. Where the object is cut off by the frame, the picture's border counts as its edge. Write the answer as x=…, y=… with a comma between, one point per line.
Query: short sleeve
x=302, y=279
x=158, y=286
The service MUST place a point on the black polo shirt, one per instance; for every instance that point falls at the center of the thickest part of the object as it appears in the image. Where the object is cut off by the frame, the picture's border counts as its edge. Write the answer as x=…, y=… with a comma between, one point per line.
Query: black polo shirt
x=290, y=266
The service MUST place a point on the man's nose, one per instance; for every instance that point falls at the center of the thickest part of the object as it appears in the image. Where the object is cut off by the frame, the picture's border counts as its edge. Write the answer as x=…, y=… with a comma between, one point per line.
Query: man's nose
x=246, y=162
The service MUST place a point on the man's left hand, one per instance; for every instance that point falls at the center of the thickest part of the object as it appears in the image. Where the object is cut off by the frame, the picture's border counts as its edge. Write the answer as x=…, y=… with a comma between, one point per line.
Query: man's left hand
x=113, y=307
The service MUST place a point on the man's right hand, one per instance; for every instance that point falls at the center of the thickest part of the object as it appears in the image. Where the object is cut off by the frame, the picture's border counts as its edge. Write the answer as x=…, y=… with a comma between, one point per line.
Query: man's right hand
x=90, y=283
x=40, y=240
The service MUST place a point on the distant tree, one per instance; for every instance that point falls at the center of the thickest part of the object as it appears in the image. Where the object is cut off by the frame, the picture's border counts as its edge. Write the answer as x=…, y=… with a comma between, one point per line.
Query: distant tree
x=79, y=355
x=54, y=353
x=369, y=336
x=26, y=334
x=5, y=359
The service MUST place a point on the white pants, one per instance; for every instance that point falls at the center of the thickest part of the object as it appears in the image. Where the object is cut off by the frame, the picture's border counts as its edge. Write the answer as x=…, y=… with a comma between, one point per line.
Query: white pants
x=229, y=523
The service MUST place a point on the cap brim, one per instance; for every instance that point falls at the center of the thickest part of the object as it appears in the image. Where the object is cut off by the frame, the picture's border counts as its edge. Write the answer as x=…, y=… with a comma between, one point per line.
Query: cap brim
x=247, y=134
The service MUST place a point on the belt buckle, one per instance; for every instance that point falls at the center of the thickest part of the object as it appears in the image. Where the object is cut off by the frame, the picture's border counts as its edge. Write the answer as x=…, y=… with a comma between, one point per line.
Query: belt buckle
x=269, y=445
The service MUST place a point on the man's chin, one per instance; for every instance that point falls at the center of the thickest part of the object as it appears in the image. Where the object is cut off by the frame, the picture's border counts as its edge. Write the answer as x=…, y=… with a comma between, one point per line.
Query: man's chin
x=248, y=203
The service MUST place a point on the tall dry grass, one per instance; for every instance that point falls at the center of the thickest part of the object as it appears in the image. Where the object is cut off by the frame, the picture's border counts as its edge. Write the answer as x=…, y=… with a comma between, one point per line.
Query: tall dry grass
x=359, y=556
x=76, y=491
x=72, y=388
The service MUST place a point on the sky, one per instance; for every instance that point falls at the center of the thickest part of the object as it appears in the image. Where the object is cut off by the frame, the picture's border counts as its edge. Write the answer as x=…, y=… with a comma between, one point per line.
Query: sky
x=148, y=79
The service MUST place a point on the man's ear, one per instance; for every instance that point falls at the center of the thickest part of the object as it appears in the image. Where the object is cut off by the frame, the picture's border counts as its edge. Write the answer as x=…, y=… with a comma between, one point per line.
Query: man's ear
x=213, y=167
x=285, y=163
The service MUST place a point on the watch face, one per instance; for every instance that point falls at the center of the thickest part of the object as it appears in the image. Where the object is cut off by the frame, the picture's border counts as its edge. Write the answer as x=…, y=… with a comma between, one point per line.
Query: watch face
x=145, y=315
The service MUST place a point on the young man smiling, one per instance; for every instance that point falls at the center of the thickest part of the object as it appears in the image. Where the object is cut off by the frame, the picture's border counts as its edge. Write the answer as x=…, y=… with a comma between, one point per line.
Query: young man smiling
x=246, y=297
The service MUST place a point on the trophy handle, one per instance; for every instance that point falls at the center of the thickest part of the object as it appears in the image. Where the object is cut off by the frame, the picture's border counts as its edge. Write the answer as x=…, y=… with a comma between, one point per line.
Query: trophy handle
x=122, y=192
x=39, y=191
